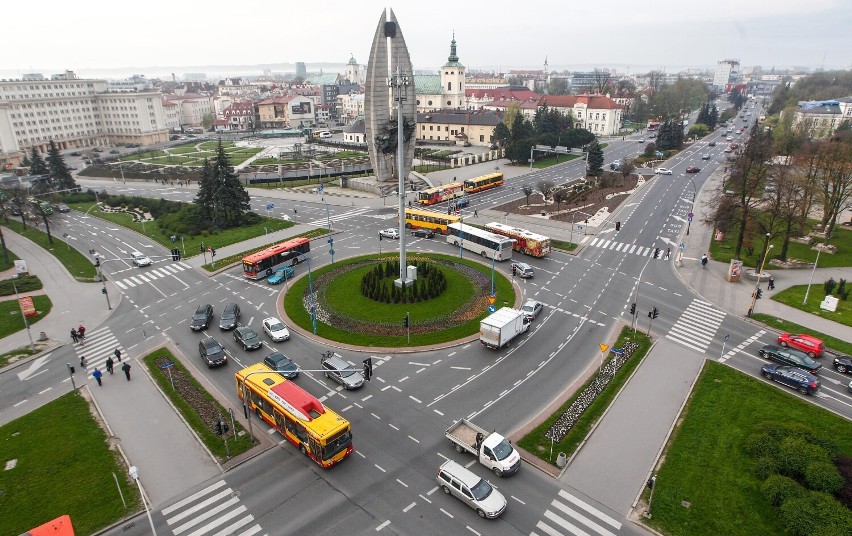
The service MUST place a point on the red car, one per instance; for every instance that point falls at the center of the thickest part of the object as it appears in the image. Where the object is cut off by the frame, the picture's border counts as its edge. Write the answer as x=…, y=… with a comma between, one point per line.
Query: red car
x=693, y=169
x=806, y=343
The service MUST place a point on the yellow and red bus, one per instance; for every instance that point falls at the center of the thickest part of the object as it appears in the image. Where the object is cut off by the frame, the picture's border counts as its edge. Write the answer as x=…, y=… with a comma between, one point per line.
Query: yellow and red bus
x=266, y=261
x=526, y=242
x=484, y=182
x=416, y=218
x=437, y=194
x=320, y=434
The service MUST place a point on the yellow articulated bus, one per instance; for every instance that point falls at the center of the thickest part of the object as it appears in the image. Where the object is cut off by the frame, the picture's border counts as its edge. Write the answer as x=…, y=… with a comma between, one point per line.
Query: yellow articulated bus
x=416, y=218
x=484, y=182
x=320, y=434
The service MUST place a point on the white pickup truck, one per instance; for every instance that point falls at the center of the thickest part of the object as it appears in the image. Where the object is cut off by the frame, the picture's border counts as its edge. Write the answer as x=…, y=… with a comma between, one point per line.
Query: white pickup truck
x=493, y=450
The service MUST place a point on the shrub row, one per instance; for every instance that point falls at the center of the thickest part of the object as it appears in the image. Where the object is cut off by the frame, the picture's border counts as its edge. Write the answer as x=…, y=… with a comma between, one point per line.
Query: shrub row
x=378, y=283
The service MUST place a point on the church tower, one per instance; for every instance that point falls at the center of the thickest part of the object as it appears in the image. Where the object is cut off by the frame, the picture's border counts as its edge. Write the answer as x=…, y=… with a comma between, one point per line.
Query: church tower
x=353, y=70
x=452, y=80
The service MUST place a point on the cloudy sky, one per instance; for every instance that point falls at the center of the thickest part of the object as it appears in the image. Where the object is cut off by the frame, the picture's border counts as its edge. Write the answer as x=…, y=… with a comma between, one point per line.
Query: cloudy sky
x=631, y=35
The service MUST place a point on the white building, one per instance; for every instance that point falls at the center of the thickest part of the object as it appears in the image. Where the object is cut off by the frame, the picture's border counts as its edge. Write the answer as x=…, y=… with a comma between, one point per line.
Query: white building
x=598, y=114
x=350, y=106
x=727, y=71
x=445, y=91
x=192, y=107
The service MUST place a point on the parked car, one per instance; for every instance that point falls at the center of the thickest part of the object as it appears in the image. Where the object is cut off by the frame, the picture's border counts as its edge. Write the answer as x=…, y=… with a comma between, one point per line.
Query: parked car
x=212, y=353
x=281, y=364
x=705, y=157
x=202, y=317
x=230, y=317
x=280, y=275
x=693, y=169
x=641, y=140
x=663, y=171
x=76, y=153
x=115, y=151
x=390, y=232
x=522, y=270
x=247, y=338
x=798, y=379
x=729, y=138
x=423, y=233
x=97, y=150
x=276, y=329
x=139, y=259
x=532, y=308
x=342, y=371
x=843, y=364
x=788, y=356
x=615, y=166
x=806, y=343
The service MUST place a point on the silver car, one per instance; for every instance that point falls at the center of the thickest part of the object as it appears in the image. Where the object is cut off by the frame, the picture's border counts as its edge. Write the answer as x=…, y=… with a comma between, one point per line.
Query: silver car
x=532, y=308
x=342, y=371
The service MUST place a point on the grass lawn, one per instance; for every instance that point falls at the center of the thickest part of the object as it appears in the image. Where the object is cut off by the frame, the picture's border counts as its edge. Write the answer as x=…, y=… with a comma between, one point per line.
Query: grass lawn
x=142, y=156
x=724, y=251
x=563, y=245
x=12, y=258
x=56, y=476
x=788, y=327
x=24, y=284
x=794, y=296
x=182, y=149
x=552, y=160
x=371, y=310
x=705, y=461
x=20, y=353
x=10, y=312
x=171, y=160
x=80, y=267
x=233, y=259
x=537, y=444
x=212, y=145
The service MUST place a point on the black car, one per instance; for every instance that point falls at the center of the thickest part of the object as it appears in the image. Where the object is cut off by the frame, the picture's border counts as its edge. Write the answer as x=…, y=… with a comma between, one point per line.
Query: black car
x=115, y=151
x=788, y=356
x=76, y=153
x=202, y=317
x=97, y=150
x=212, y=353
x=712, y=144
x=798, y=379
x=230, y=317
x=281, y=364
x=423, y=233
x=843, y=364
x=247, y=338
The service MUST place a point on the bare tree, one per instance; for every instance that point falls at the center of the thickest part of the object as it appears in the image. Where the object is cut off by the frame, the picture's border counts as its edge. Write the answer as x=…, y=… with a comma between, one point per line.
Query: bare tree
x=627, y=166
x=560, y=195
x=835, y=182
x=747, y=179
x=544, y=186
x=602, y=80
x=527, y=192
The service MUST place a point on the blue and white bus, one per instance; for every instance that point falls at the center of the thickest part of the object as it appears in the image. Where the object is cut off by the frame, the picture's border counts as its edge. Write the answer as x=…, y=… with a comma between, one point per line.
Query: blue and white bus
x=485, y=243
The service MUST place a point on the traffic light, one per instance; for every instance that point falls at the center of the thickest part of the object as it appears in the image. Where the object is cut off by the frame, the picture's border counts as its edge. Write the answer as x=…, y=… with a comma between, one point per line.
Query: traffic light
x=217, y=426
x=103, y=290
x=368, y=368
x=405, y=321
x=759, y=293
x=176, y=254
x=380, y=237
x=618, y=226
x=514, y=270
x=655, y=313
x=632, y=308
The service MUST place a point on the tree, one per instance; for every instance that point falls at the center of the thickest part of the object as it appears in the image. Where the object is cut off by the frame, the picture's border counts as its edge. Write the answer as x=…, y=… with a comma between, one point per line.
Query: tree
x=544, y=186
x=835, y=183
x=521, y=129
x=40, y=210
x=204, y=199
x=501, y=135
x=519, y=151
x=747, y=179
x=698, y=130
x=37, y=164
x=60, y=175
x=627, y=166
x=527, y=193
x=596, y=159
x=602, y=80
x=230, y=199
x=560, y=195
x=558, y=86
x=513, y=111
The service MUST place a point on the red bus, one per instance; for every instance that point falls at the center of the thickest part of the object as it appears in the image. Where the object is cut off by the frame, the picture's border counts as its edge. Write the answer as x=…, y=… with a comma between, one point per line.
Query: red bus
x=437, y=194
x=266, y=261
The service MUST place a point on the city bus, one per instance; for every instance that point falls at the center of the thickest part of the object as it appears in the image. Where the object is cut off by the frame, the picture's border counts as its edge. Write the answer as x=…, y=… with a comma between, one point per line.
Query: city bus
x=484, y=182
x=320, y=434
x=416, y=218
x=526, y=242
x=437, y=194
x=266, y=261
x=485, y=243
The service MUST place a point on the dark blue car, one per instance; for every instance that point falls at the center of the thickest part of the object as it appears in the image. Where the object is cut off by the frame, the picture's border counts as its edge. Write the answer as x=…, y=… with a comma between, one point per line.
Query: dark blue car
x=800, y=380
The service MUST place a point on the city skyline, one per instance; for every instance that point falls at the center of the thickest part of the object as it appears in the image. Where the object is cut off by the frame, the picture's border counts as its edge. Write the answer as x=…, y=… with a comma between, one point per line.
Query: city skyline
x=174, y=38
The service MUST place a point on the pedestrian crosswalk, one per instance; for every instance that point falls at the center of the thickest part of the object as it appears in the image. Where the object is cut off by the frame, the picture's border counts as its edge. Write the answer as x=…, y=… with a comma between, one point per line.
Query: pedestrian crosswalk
x=697, y=326
x=98, y=346
x=631, y=249
x=146, y=275
x=324, y=222
x=568, y=514
x=215, y=509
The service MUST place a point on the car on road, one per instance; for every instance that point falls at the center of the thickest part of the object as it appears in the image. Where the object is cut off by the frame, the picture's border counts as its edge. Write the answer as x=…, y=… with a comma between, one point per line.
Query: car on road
x=798, y=379
x=805, y=343
x=230, y=317
x=843, y=364
x=390, y=232
x=522, y=270
x=281, y=364
x=76, y=153
x=422, y=233
x=532, y=308
x=712, y=144
x=466, y=486
x=276, y=329
x=247, y=338
x=788, y=356
x=342, y=371
x=729, y=138
x=212, y=353
x=139, y=259
x=202, y=317
x=286, y=272
x=693, y=169
x=641, y=140
x=615, y=166
x=663, y=171
x=62, y=207
x=115, y=151
x=705, y=157
x=97, y=150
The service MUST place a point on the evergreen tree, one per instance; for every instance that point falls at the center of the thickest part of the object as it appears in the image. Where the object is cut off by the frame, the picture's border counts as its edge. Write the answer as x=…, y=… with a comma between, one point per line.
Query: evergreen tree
x=596, y=159
x=521, y=129
x=59, y=174
x=501, y=134
x=206, y=192
x=26, y=161
x=538, y=119
x=37, y=165
x=231, y=199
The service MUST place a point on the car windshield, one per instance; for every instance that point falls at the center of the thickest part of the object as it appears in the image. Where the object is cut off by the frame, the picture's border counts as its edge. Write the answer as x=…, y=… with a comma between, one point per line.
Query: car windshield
x=807, y=361
x=528, y=308
x=346, y=372
x=481, y=490
x=503, y=450
x=276, y=327
x=213, y=348
x=199, y=316
x=227, y=315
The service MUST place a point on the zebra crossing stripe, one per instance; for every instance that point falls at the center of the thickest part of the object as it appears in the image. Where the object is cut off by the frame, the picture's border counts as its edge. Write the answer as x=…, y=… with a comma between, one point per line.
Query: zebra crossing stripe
x=145, y=279
x=120, y=285
x=133, y=277
x=582, y=519
x=185, y=265
x=184, y=502
x=632, y=248
x=590, y=509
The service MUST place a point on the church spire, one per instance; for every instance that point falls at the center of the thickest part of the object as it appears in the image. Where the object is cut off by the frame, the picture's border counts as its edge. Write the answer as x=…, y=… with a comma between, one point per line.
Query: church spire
x=453, y=58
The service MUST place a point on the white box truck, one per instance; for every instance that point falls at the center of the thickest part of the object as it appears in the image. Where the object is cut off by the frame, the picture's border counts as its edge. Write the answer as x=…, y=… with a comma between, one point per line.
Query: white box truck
x=493, y=450
x=496, y=330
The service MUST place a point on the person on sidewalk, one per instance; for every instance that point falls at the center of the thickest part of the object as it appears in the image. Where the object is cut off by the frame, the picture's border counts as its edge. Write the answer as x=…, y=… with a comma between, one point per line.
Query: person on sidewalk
x=704, y=261
x=97, y=376
x=109, y=364
x=117, y=355
x=74, y=335
x=771, y=285
x=126, y=368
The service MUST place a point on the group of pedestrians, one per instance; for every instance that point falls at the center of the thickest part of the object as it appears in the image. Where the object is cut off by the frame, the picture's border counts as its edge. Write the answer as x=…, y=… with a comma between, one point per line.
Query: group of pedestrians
x=78, y=335
x=110, y=367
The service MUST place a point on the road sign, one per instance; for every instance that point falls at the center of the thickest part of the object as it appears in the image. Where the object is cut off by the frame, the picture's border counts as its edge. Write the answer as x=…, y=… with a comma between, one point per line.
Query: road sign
x=491, y=299
x=618, y=351
x=682, y=246
x=604, y=347
x=690, y=215
x=689, y=218
x=491, y=308
x=167, y=364
x=579, y=227
x=727, y=337
x=270, y=206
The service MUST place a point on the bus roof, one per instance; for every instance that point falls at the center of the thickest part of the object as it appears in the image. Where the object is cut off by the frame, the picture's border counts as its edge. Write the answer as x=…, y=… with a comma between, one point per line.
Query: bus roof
x=277, y=248
x=503, y=228
x=470, y=229
x=432, y=213
x=448, y=186
x=484, y=177
x=297, y=401
x=259, y=376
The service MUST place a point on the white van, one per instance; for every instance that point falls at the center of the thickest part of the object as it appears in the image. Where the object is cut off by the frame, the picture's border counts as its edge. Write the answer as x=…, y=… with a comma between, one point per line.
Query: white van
x=325, y=134
x=475, y=492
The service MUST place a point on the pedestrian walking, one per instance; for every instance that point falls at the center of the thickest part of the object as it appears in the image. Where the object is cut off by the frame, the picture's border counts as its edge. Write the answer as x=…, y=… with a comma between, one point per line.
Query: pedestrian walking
x=117, y=354
x=81, y=331
x=704, y=261
x=97, y=376
x=109, y=364
x=475, y=214
x=771, y=285
x=82, y=362
x=126, y=368
x=295, y=211
x=74, y=335
x=668, y=253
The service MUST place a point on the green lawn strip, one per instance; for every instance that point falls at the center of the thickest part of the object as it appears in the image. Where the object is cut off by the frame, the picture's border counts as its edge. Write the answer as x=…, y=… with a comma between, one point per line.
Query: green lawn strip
x=20, y=353
x=142, y=156
x=563, y=245
x=705, y=461
x=10, y=312
x=785, y=326
x=299, y=315
x=170, y=160
x=723, y=251
x=233, y=259
x=535, y=443
x=24, y=284
x=213, y=442
x=64, y=466
x=553, y=160
x=212, y=145
x=81, y=268
x=794, y=296
x=12, y=258
x=183, y=150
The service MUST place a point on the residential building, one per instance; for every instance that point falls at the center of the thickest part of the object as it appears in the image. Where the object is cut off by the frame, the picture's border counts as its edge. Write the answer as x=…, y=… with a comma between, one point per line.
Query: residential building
x=727, y=72
x=350, y=106
x=192, y=108
x=356, y=132
x=598, y=114
x=240, y=115
x=819, y=119
x=475, y=128
x=301, y=70
x=527, y=107
x=294, y=111
x=478, y=98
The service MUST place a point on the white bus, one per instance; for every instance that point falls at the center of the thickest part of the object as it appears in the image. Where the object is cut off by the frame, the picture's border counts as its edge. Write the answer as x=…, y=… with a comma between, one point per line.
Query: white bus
x=485, y=243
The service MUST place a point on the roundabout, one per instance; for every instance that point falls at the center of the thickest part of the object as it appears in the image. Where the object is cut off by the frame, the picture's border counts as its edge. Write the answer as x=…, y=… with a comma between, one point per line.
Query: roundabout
x=356, y=303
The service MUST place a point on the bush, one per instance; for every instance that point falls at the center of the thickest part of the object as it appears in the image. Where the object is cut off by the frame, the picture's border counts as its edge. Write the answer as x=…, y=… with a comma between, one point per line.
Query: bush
x=765, y=467
x=761, y=444
x=829, y=285
x=778, y=489
x=815, y=513
x=796, y=453
x=824, y=476
x=24, y=283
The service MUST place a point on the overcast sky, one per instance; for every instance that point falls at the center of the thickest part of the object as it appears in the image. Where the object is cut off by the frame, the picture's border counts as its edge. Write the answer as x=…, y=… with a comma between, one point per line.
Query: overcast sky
x=631, y=35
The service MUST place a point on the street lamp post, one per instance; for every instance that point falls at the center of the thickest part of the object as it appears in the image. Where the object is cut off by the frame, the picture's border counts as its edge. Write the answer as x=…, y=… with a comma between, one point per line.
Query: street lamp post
x=759, y=275
x=691, y=210
x=27, y=324
x=134, y=474
x=805, y=301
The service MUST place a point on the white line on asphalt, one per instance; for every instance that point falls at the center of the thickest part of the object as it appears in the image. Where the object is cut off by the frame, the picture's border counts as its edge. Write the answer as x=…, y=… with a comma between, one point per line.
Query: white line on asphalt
x=379, y=468
x=414, y=439
x=401, y=482
x=409, y=507
x=412, y=398
x=383, y=525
